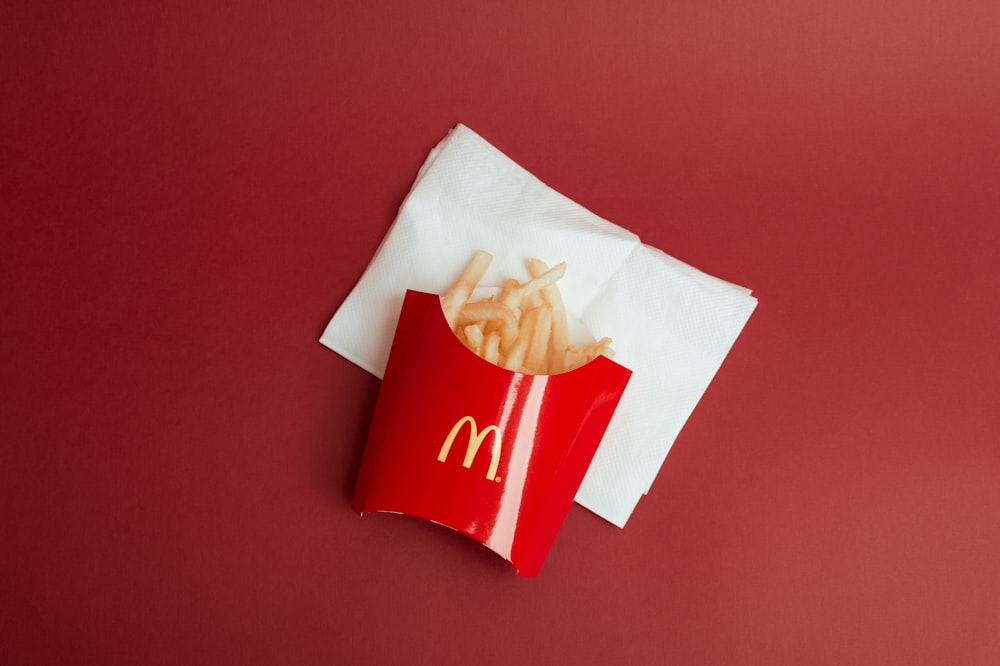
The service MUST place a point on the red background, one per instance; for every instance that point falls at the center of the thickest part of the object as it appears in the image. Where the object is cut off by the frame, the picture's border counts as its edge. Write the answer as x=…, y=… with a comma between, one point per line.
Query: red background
x=189, y=189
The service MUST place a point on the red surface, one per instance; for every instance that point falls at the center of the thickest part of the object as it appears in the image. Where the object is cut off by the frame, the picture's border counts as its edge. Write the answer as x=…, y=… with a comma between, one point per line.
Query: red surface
x=188, y=190
x=444, y=416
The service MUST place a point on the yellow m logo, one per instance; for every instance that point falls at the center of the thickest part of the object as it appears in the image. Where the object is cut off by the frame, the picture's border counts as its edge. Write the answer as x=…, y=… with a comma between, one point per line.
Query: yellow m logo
x=475, y=441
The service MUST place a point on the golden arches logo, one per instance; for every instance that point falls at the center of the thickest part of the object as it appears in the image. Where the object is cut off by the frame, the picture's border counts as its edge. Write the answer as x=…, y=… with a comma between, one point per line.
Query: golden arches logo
x=475, y=442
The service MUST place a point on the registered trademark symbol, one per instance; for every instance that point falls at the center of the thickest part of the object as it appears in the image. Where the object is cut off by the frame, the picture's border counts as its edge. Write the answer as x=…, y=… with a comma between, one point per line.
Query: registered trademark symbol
x=497, y=479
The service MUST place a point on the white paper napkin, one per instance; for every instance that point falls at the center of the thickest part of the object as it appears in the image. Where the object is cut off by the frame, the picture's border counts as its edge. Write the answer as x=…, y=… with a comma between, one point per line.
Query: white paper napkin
x=672, y=325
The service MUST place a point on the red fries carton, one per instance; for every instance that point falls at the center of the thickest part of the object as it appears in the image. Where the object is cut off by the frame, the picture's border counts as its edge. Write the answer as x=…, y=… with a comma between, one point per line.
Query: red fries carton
x=494, y=454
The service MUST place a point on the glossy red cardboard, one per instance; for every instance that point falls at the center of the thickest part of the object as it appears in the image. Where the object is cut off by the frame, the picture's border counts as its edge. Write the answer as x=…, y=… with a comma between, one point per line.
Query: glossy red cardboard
x=494, y=454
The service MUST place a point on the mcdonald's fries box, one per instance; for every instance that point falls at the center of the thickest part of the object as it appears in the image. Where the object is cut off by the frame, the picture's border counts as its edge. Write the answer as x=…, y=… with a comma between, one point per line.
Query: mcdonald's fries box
x=495, y=454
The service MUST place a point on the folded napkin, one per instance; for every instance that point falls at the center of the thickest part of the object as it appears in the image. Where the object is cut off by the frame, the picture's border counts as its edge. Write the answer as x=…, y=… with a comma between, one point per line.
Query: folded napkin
x=671, y=324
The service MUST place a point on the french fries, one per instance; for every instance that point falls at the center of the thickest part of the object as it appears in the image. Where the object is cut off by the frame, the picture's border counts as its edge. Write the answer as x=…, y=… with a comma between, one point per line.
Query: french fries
x=523, y=328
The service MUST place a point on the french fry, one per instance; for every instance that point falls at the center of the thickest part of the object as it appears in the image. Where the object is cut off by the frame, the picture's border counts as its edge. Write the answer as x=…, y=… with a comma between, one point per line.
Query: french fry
x=472, y=313
x=459, y=294
x=454, y=299
x=491, y=348
x=573, y=358
x=559, y=339
x=474, y=338
x=577, y=356
x=536, y=356
x=515, y=355
x=512, y=298
x=476, y=268
x=550, y=276
x=599, y=348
